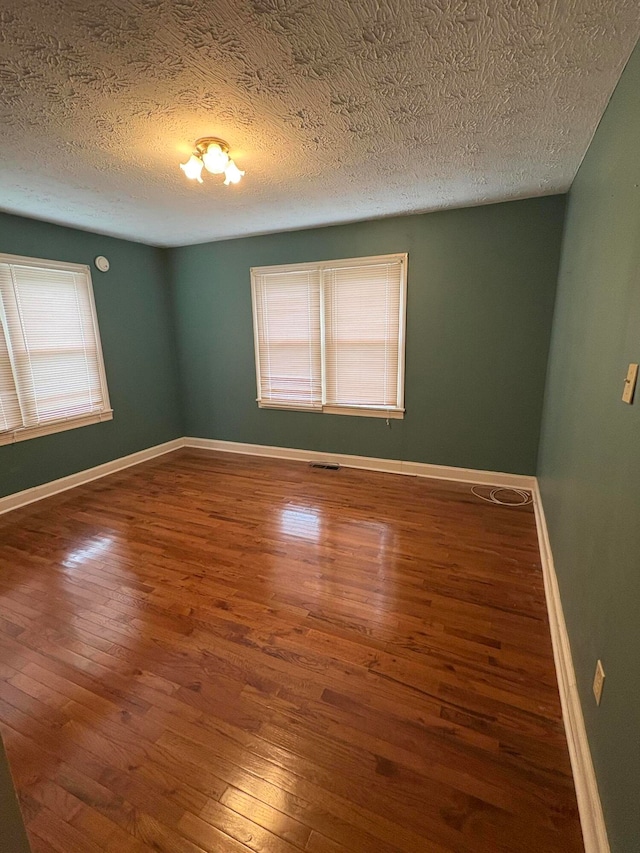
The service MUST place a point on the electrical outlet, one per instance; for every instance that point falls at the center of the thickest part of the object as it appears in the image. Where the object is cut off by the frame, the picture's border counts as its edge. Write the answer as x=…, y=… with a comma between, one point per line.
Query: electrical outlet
x=598, y=682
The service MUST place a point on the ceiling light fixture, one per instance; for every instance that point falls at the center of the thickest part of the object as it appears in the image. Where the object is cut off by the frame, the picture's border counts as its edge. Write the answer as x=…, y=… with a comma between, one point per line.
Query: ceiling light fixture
x=211, y=154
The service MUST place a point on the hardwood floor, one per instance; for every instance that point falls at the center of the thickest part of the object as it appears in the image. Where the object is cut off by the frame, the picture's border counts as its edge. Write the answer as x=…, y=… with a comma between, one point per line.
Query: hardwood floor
x=212, y=652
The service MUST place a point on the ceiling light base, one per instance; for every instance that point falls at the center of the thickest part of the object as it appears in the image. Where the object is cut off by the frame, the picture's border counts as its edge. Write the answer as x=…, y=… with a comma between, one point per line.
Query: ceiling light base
x=203, y=143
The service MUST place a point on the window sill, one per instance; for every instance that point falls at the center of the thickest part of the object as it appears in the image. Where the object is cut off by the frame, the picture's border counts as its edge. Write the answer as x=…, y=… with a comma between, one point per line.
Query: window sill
x=16, y=435
x=362, y=412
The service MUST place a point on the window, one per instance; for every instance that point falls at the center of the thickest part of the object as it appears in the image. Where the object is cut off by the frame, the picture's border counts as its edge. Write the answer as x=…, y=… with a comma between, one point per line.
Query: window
x=51, y=371
x=329, y=337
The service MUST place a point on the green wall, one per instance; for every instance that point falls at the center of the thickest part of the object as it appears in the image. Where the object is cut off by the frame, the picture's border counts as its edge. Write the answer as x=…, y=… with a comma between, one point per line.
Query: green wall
x=590, y=450
x=481, y=292
x=480, y=300
x=136, y=325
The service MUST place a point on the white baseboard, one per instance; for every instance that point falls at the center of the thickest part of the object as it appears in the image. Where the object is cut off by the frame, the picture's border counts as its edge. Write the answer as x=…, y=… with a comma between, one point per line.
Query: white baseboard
x=28, y=496
x=369, y=463
x=594, y=830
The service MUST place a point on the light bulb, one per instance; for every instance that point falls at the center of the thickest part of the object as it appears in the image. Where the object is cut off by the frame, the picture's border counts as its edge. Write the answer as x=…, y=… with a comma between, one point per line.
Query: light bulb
x=215, y=159
x=232, y=174
x=193, y=168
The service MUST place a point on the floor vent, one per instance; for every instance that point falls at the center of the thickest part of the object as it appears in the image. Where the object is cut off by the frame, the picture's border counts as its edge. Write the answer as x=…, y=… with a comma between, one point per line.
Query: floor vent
x=329, y=466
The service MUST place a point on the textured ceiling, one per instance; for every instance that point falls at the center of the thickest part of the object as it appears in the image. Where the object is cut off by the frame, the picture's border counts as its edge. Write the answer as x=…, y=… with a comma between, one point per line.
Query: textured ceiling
x=337, y=111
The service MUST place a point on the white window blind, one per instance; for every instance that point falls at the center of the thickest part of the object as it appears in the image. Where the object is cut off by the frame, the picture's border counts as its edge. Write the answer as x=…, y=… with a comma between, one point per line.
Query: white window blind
x=287, y=327
x=330, y=336
x=51, y=369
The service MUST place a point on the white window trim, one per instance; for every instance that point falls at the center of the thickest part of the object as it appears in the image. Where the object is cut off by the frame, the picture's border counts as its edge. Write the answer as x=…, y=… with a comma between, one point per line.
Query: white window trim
x=358, y=411
x=396, y=412
x=13, y=436
x=24, y=433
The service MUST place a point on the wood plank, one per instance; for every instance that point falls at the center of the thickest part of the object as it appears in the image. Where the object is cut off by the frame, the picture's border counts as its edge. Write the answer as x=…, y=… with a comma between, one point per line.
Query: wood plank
x=212, y=652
